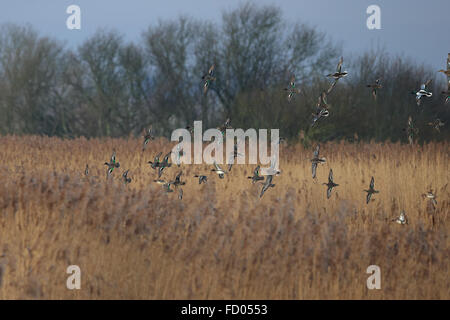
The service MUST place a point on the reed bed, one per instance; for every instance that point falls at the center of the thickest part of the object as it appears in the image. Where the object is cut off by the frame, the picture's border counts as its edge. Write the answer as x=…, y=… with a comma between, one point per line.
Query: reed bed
x=221, y=241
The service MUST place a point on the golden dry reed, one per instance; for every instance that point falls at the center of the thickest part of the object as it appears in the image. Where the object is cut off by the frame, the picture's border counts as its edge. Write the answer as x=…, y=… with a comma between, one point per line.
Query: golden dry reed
x=221, y=241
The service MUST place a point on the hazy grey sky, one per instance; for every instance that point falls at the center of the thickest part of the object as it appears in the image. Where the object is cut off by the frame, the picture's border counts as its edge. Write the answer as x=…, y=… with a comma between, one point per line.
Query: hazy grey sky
x=416, y=28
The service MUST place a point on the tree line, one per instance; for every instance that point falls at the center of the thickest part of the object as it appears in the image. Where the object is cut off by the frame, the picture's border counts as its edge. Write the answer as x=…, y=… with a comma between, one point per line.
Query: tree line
x=111, y=87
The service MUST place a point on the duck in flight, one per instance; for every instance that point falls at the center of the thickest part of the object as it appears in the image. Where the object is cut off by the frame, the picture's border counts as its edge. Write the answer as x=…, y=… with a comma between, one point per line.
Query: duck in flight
x=164, y=184
x=208, y=78
x=291, y=89
x=225, y=126
x=411, y=130
x=125, y=177
x=267, y=184
x=436, y=124
x=375, y=87
x=339, y=73
x=234, y=156
x=322, y=102
x=319, y=114
x=432, y=197
x=217, y=169
x=256, y=175
x=330, y=185
x=371, y=190
x=316, y=160
x=112, y=164
x=177, y=183
x=401, y=219
x=155, y=163
x=446, y=72
x=273, y=169
x=148, y=135
x=201, y=178
x=164, y=164
x=422, y=92
x=447, y=95
x=179, y=153
x=322, y=105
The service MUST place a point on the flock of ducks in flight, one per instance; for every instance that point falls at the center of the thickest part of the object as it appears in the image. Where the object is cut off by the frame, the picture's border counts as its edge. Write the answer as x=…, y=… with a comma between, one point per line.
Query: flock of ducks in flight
x=322, y=111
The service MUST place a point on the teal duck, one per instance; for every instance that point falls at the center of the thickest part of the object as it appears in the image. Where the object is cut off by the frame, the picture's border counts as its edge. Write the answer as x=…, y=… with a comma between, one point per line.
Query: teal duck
x=446, y=72
x=179, y=154
x=411, y=130
x=291, y=89
x=148, y=135
x=319, y=114
x=401, y=219
x=316, y=160
x=164, y=164
x=225, y=126
x=125, y=177
x=371, y=190
x=375, y=87
x=322, y=102
x=330, y=185
x=234, y=156
x=155, y=163
x=422, y=92
x=112, y=164
x=208, y=78
x=339, y=73
x=201, y=178
x=166, y=185
x=190, y=129
x=436, y=124
x=256, y=175
x=447, y=96
x=267, y=184
x=431, y=196
x=217, y=169
x=177, y=183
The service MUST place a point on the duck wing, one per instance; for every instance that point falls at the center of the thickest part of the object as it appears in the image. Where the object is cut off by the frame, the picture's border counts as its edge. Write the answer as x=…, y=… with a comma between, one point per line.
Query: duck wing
x=218, y=168
x=211, y=70
x=314, y=167
x=160, y=170
x=166, y=157
x=264, y=188
x=113, y=157
x=339, y=66
x=316, y=152
x=292, y=81
x=330, y=176
x=331, y=87
x=266, y=185
x=329, y=192
x=369, y=195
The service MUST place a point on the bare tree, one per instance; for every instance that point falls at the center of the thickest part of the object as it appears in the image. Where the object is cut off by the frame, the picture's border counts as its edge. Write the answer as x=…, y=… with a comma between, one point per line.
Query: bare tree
x=30, y=70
